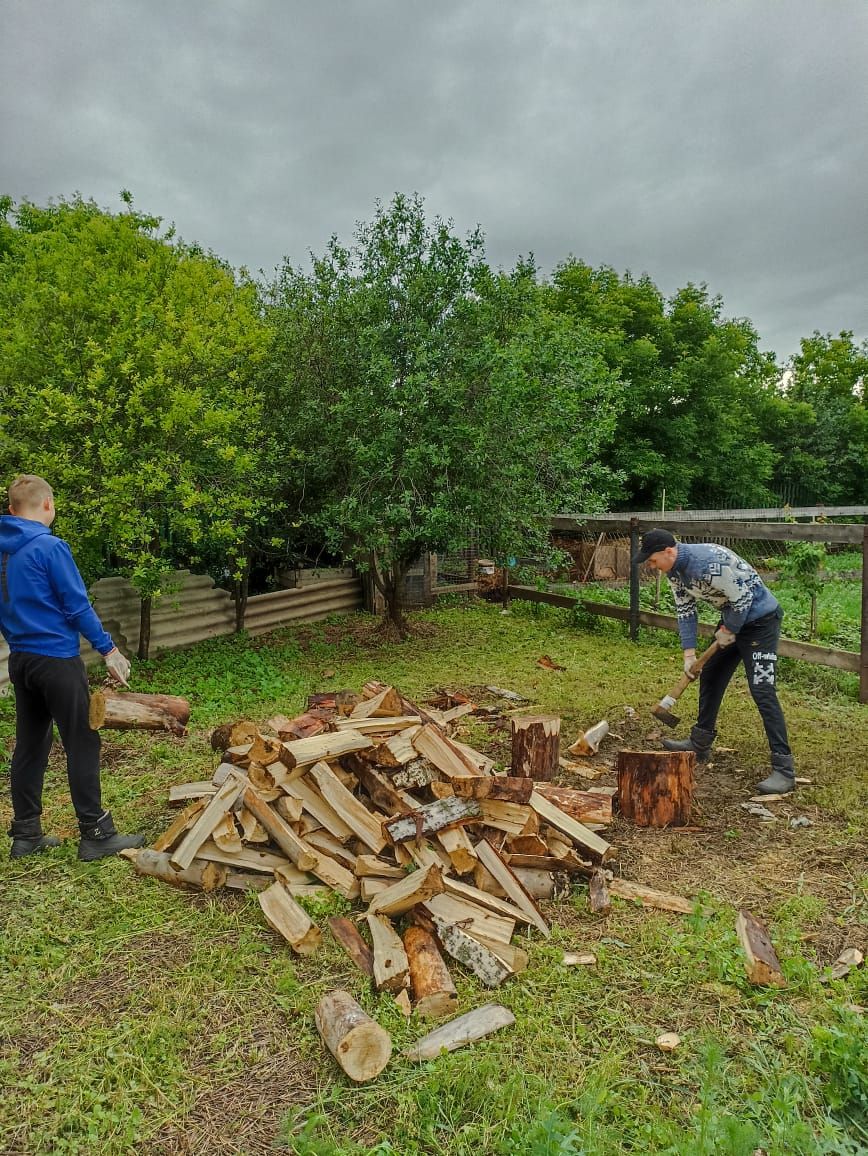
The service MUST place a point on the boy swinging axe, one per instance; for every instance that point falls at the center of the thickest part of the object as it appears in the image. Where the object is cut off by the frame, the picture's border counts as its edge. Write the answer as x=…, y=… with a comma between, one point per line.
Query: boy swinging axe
x=748, y=633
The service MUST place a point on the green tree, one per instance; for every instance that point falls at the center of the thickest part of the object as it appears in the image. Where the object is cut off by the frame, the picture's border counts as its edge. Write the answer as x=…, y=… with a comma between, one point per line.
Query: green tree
x=127, y=365
x=830, y=374
x=424, y=396
x=693, y=382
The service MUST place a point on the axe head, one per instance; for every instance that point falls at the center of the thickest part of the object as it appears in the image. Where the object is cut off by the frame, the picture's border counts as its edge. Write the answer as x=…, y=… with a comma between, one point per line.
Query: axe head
x=665, y=716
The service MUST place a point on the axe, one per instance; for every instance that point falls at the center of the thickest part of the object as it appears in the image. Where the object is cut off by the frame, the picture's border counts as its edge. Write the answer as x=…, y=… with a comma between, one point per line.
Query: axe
x=663, y=709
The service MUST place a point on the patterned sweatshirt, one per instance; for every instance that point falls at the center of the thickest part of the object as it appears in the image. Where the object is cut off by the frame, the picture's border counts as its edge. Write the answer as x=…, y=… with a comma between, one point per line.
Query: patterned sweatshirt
x=718, y=576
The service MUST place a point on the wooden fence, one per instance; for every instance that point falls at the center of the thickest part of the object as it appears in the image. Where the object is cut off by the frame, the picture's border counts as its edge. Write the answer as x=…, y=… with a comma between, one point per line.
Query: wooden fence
x=853, y=535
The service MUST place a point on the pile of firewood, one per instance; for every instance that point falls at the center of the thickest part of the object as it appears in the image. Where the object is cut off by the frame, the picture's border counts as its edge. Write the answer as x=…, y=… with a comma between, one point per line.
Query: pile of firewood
x=372, y=797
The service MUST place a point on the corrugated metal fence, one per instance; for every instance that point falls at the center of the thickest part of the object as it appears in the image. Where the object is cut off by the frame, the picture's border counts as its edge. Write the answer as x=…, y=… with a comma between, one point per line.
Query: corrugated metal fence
x=195, y=610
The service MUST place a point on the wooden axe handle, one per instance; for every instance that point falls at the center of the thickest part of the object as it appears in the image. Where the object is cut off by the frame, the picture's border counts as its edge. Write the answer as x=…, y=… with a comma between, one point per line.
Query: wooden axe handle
x=685, y=679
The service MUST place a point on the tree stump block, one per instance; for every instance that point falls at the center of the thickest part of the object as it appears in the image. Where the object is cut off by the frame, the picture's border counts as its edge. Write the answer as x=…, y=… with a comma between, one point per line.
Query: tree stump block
x=536, y=746
x=655, y=788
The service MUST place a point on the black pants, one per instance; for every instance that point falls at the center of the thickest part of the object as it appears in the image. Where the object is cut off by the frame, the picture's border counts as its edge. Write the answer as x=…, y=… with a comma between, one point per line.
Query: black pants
x=47, y=691
x=756, y=645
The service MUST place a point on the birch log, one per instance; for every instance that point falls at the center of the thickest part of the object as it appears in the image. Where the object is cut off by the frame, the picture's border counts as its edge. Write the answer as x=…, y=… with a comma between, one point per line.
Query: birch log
x=360, y=1046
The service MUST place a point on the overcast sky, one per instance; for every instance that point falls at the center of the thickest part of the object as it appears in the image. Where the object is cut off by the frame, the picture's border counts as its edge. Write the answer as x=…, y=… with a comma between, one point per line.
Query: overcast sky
x=723, y=141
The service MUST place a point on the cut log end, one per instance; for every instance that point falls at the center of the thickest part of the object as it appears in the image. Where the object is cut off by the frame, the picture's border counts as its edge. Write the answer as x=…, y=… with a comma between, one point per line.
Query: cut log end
x=360, y=1046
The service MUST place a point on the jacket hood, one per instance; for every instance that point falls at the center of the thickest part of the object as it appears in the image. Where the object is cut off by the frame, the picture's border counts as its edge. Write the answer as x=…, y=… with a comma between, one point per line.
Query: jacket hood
x=17, y=532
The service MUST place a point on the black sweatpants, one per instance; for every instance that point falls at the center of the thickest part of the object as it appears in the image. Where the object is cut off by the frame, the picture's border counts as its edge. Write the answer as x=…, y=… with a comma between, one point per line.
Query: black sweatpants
x=756, y=645
x=48, y=691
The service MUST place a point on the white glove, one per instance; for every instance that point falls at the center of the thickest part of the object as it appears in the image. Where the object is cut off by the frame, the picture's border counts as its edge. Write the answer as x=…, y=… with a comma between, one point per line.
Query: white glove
x=724, y=637
x=118, y=666
x=689, y=659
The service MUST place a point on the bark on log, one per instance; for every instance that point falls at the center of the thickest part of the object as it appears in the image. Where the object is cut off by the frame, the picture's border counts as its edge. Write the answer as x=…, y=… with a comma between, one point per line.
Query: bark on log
x=360, y=1046
x=347, y=935
x=233, y=734
x=585, y=806
x=434, y=992
x=473, y=1025
x=477, y=957
x=655, y=788
x=598, y=894
x=761, y=961
x=506, y=788
x=111, y=710
x=536, y=747
x=432, y=817
x=201, y=875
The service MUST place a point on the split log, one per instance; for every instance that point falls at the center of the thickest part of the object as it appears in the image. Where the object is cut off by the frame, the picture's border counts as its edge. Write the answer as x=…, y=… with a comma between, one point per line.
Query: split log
x=407, y=892
x=303, y=753
x=761, y=962
x=379, y=726
x=482, y=763
x=482, y=960
x=513, y=818
x=590, y=842
x=476, y=920
x=459, y=849
x=113, y=710
x=598, y=894
x=353, y=812
x=309, y=796
x=372, y=688
x=434, y=992
x=201, y=875
x=305, y=726
x=528, y=845
x=373, y=865
x=473, y=1025
x=223, y=800
x=514, y=889
x=502, y=907
x=506, y=788
x=225, y=834
x=233, y=734
x=322, y=840
x=248, y=859
x=289, y=920
x=182, y=792
x=543, y=884
x=584, y=806
x=184, y=821
x=360, y=1046
x=432, y=817
x=370, y=885
x=444, y=754
x=536, y=747
x=287, y=807
x=387, y=703
x=244, y=881
x=655, y=788
x=650, y=897
x=347, y=935
x=380, y=791
x=396, y=751
x=280, y=831
x=569, y=864
x=391, y=969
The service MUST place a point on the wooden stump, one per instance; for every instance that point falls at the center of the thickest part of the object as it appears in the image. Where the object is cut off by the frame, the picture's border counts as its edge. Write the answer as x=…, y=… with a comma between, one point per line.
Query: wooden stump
x=147, y=712
x=360, y=1046
x=536, y=746
x=655, y=788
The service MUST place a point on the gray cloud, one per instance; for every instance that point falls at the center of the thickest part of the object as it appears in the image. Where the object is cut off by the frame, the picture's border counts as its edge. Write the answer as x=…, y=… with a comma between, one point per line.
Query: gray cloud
x=692, y=139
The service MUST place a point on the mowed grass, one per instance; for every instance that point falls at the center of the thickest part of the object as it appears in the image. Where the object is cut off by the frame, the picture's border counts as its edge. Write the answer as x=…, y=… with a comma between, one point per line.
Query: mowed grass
x=139, y=1019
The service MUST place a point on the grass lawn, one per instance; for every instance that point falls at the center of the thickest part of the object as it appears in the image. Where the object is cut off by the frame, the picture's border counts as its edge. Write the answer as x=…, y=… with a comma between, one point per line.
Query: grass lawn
x=139, y=1019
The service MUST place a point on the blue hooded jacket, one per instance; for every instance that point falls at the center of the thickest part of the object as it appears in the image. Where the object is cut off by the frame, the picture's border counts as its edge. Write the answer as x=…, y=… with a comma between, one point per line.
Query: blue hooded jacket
x=44, y=605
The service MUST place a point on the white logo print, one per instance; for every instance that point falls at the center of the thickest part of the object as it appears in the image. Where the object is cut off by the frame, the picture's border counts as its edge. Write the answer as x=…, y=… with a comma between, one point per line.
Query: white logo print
x=764, y=673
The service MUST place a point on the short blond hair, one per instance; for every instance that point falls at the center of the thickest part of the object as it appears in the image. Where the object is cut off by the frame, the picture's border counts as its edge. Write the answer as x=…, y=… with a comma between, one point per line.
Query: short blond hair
x=28, y=492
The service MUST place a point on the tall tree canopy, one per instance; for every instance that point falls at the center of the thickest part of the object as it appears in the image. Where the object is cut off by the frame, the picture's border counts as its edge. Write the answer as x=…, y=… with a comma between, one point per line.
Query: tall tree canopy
x=127, y=367
x=427, y=396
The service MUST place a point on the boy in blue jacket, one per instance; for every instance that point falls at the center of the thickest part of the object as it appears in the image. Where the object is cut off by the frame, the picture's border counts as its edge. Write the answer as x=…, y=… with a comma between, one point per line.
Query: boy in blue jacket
x=44, y=608
x=748, y=632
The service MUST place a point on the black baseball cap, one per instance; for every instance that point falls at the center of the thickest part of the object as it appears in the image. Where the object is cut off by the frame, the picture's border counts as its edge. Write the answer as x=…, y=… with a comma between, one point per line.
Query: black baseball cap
x=652, y=541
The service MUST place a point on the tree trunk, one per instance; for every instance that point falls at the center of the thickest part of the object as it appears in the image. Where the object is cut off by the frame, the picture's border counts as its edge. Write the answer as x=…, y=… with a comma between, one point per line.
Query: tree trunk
x=655, y=788
x=535, y=747
x=240, y=591
x=144, y=629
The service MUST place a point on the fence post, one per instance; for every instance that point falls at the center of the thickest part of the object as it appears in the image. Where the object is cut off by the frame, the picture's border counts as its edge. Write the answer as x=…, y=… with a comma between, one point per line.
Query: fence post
x=863, y=637
x=634, y=580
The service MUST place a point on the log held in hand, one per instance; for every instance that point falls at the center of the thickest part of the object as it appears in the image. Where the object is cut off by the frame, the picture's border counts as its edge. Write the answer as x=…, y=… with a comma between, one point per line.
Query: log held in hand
x=113, y=710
